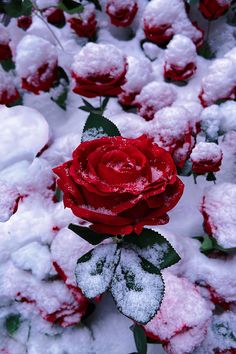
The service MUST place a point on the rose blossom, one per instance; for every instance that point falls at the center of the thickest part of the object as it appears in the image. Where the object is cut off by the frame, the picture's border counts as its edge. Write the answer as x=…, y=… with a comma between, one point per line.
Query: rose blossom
x=24, y=22
x=54, y=16
x=8, y=90
x=119, y=184
x=36, y=63
x=85, y=24
x=213, y=9
x=99, y=70
x=180, y=59
x=206, y=157
x=121, y=13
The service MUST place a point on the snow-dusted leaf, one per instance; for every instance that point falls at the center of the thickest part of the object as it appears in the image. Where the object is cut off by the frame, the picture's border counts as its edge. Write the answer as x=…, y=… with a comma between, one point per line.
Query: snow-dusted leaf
x=87, y=234
x=12, y=323
x=154, y=247
x=98, y=126
x=94, y=270
x=136, y=289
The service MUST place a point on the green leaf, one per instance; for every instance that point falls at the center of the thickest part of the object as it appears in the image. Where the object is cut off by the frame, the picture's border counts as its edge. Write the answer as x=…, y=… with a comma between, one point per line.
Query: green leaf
x=186, y=170
x=209, y=244
x=17, y=8
x=88, y=235
x=154, y=247
x=140, y=339
x=12, y=323
x=98, y=126
x=136, y=289
x=192, y=2
x=211, y=177
x=71, y=7
x=96, y=110
x=8, y=65
x=94, y=270
x=205, y=51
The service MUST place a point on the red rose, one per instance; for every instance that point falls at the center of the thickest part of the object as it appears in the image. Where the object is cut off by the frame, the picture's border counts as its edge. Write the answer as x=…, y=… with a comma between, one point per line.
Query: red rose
x=85, y=25
x=41, y=80
x=213, y=9
x=120, y=185
x=8, y=98
x=99, y=70
x=5, y=52
x=121, y=13
x=8, y=91
x=158, y=34
x=206, y=157
x=55, y=16
x=175, y=73
x=24, y=22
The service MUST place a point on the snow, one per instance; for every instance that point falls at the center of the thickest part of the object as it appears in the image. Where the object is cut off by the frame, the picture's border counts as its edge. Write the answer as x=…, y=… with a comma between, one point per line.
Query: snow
x=135, y=81
x=228, y=121
x=6, y=83
x=206, y=152
x=4, y=37
x=211, y=118
x=43, y=4
x=180, y=51
x=8, y=200
x=32, y=53
x=99, y=59
x=220, y=205
x=25, y=129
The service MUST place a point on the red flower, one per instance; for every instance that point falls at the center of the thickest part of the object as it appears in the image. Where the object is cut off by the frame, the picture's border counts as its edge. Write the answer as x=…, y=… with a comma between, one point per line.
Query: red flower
x=213, y=9
x=8, y=98
x=5, y=52
x=158, y=34
x=99, y=70
x=85, y=25
x=55, y=16
x=176, y=73
x=119, y=184
x=41, y=80
x=121, y=13
x=24, y=22
x=206, y=157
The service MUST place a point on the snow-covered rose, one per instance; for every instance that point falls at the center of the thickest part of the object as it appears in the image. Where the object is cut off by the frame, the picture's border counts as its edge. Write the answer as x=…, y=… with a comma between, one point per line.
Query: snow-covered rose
x=213, y=9
x=85, y=25
x=121, y=13
x=153, y=97
x=162, y=19
x=135, y=81
x=206, y=157
x=36, y=63
x=180, y=59
x=219, y=212
x=99, y=70
x=8, y=90
x=120, y=184
x=172, y=130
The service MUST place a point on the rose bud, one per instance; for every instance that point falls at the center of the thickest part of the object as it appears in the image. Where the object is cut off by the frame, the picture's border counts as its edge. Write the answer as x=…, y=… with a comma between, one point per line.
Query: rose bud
x=36, y=63
x=219, y=211
x=206, y=157
x=24, y=22
x=8, y=91
x=172, y=130
x=135, y=81
x=180, y=59
x=85, y=24
x=119, y=184
x=5, y=50
x=177, y=328
x=220, y=82
x=162, y=19
x=99, y=70
x=121, y=13
x=153, y=97
x=213, y=9
x=55, y=16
